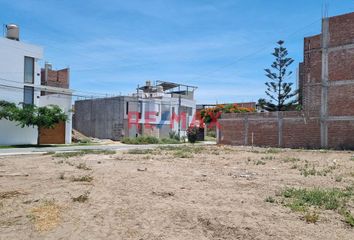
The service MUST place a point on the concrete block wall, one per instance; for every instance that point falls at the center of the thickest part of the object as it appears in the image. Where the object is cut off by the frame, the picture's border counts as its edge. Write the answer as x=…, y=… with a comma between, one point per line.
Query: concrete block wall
x=100, y=118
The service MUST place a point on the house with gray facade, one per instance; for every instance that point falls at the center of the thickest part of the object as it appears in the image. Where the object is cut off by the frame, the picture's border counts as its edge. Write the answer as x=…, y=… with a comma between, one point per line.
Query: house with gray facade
x=154, y=110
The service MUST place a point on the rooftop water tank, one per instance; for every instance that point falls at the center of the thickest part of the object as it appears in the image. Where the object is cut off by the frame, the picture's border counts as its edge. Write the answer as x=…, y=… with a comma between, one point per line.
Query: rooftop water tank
x=12, y=32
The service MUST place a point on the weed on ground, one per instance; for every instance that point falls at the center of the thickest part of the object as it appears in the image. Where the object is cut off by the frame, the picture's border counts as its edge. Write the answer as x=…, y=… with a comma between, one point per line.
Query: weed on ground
x=86, y=178
x=46, y=216
x=303, y=200
x=82, y=198
x=83, y=152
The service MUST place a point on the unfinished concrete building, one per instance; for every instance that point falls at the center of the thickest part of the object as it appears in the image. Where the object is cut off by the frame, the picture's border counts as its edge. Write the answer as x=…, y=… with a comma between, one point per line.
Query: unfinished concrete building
x=326, y=91
x=154, y=110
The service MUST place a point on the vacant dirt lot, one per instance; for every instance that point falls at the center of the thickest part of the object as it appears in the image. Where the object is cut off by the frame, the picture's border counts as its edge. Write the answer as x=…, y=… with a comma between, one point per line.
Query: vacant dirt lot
x=200, y=192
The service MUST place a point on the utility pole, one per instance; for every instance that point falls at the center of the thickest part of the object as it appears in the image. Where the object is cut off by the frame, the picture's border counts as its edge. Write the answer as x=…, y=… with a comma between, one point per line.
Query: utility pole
x=179, y=111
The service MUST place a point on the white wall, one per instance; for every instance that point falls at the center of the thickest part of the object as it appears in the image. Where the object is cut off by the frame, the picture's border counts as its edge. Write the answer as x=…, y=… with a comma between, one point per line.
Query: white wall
x=65, y=103
x=151, y=105
x=12, y=54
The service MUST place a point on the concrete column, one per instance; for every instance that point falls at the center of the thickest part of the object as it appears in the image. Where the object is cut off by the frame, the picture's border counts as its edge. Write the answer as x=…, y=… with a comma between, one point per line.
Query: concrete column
x=324, y=83
x=280, y=129
x=245, y=123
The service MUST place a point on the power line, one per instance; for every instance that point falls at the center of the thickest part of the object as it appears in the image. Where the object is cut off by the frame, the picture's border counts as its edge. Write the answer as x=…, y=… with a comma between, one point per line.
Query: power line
x=103, y=94
x=76, y=95
x=254, y=53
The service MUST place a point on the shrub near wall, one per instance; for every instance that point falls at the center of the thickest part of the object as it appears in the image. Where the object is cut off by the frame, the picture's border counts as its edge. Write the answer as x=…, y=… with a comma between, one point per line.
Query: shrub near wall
x=208, y=114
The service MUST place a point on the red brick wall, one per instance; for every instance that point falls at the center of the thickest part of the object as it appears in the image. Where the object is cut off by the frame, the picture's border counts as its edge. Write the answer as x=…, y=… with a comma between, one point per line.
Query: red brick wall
x=311, y=73
x=341, y=100
x=341, y=134
x=265, y=133
x=341, y=29
x=293, y=129
x=56, y=78
x=341, y=65
x=233, y=132
x=299, y=133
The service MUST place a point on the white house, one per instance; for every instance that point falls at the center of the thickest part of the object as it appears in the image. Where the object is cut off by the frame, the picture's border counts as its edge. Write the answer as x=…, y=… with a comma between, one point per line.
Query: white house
x=20, y=82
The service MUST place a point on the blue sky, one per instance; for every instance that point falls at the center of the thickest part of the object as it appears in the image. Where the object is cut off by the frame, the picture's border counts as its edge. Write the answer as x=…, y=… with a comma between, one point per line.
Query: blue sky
x=221, y=46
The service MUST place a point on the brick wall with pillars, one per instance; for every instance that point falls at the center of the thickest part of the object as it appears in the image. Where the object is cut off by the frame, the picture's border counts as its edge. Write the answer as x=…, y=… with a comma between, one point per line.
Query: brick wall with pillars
x=326, y=79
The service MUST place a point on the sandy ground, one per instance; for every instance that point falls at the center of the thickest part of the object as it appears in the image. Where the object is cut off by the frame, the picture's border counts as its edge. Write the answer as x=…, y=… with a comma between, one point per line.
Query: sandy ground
x=218, y=193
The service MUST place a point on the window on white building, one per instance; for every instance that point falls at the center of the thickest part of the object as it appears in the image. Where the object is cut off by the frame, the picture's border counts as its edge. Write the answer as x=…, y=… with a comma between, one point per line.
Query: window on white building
x=28, y=95
x=29, y=70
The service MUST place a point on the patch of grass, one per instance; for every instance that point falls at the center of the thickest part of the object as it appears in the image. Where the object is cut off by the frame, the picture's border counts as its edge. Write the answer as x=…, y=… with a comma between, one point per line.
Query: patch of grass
x=272, y=151
x=348, y=217
x=83, y=166
x=140, y=151
x=184, y=148
x=259, y=162
x=182, y=154
x=67, y=154
x=82, y=198
x=168, y=148
x=329, y=199
x=352, y=158
x=311, y=217
x=46, y=216
x=169, y=141
x=99, y=151
x=86, y=178
x=83, y=152
x=4, y=147
x=268, y=158
x=301, y=200
x=140, y=140
x=294, y=166
x=270, y=199
x=163, y=194
x=306, y=171
x=10, y=194
x=254, y=151
x=192, y=149
x=291, y=159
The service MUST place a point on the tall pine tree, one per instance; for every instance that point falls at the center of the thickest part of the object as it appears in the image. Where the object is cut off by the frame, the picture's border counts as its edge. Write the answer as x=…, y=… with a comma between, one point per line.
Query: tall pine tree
x=278, y=90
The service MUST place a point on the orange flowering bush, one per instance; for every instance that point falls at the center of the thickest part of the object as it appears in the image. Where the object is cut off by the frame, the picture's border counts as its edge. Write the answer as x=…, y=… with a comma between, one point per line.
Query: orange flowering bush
x=208, y=114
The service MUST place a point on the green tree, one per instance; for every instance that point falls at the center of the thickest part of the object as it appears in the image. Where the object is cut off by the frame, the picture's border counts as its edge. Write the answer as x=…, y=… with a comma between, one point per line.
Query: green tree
x=278, y=90
x=31, y=115
x=7, y=110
